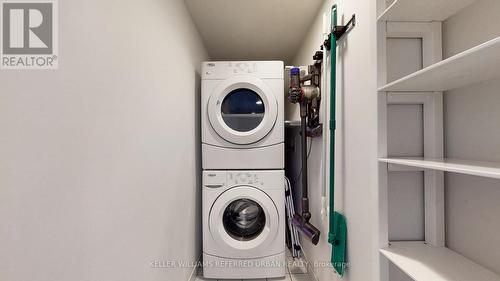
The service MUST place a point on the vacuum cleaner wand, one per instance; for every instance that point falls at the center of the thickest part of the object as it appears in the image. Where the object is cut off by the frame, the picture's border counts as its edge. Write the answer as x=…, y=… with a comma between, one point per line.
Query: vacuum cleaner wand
x=308, y=97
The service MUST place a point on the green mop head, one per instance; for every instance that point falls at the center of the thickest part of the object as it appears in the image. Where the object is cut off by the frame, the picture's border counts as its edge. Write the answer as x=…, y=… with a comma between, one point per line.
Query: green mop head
x=338, y=239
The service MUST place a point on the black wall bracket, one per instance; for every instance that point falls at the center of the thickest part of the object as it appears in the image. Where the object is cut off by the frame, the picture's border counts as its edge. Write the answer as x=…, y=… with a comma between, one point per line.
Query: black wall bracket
x=339, y=31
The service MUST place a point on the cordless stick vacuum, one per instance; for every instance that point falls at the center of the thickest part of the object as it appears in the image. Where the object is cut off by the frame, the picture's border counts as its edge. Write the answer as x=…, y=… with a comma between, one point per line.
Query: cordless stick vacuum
x=308, y=97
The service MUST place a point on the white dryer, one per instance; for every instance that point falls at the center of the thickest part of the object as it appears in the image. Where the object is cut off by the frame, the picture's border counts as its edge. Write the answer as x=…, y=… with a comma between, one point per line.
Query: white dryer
x=243, y=224
x=242, y=112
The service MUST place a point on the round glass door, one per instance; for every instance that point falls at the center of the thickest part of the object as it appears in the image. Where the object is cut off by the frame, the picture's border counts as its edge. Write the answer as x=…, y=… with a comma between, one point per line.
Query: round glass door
x=244, y=222
x=244, y=219
x=242, y=110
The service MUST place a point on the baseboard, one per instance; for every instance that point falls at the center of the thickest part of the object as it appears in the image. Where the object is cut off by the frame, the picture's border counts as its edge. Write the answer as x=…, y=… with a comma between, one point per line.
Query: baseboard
x=194, y=273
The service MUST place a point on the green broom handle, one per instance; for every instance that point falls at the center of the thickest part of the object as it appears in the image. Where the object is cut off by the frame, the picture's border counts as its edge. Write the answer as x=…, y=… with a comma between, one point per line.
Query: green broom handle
x=333, y=96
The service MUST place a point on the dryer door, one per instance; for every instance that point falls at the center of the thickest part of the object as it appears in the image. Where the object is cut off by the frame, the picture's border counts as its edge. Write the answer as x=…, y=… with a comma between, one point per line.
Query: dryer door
x=244, y=221
x=242, y=109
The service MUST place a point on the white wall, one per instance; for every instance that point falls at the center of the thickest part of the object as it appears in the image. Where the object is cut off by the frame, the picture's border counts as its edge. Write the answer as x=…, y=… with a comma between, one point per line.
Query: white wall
x=99, y=160
x=357, y=138
x=472, y=132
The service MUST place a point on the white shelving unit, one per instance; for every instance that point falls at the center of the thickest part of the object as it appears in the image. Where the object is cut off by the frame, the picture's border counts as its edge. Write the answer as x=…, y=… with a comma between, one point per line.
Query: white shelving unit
x=423, y=262
x=429, y=259
x=474, y=168
x=474, y=65
x=422, y=10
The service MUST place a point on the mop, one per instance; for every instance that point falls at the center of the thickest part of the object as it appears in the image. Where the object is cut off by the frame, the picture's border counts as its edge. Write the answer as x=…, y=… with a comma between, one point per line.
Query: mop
x=290, y=212
x=337, y=234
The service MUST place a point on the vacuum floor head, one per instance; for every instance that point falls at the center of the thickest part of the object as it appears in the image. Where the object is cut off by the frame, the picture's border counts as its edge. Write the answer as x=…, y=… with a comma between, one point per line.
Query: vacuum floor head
x=309, y=230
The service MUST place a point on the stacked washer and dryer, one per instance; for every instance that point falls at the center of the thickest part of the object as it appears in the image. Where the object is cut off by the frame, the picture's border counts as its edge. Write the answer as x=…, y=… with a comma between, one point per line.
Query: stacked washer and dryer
x=244, y=219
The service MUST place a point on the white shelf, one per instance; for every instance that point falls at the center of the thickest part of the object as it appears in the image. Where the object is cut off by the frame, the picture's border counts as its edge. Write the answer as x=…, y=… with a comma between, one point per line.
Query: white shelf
x=475, y=168
x=423, y=262
x=423, y=10
x=477, y=64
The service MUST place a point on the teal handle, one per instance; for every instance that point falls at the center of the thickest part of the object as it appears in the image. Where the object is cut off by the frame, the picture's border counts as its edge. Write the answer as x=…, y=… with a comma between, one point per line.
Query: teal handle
x=333, y=97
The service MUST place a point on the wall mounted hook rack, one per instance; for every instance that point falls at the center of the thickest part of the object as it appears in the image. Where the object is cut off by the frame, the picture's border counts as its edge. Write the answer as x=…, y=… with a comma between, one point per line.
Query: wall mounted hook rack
x=339, y=31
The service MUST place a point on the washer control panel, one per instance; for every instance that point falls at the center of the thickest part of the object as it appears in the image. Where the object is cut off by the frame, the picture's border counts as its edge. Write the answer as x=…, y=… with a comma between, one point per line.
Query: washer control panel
x=214, y=179
x=228, y=179
x=247, y=178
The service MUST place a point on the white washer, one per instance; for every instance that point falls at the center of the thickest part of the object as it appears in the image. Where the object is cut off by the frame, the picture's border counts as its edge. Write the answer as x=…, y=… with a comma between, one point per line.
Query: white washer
x=242, y=112
x=243, y=224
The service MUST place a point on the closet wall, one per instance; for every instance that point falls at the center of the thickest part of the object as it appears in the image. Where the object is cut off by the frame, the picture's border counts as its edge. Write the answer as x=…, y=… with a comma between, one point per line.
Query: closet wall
x=405, y=137
x=99, y=178
x=472, y=131
x=356, y=167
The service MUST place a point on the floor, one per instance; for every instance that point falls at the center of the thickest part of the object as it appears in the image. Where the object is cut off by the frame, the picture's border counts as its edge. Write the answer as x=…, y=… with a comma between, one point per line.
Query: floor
x=296, y=271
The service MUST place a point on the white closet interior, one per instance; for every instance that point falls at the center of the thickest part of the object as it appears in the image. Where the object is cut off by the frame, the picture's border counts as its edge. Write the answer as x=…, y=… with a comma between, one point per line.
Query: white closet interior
x=438, y=126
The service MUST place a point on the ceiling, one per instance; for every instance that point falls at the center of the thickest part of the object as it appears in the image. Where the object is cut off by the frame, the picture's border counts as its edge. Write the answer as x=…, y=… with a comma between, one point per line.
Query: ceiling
x=253, y=30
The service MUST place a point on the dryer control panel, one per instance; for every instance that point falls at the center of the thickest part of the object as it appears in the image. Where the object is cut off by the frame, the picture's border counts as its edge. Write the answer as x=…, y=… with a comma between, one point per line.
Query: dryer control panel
x=220, y=70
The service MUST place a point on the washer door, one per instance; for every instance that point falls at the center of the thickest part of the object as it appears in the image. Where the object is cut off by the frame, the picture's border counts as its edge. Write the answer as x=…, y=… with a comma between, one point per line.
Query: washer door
x=242, y=110
x=243, y=222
